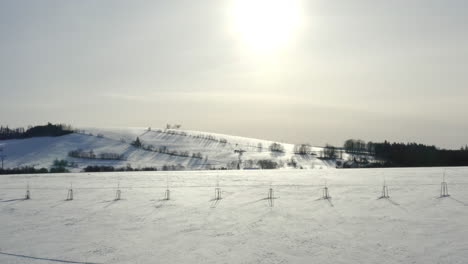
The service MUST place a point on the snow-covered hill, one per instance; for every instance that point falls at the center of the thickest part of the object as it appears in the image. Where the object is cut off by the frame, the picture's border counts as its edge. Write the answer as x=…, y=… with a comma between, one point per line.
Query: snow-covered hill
x=213, y=150
x=354, y=226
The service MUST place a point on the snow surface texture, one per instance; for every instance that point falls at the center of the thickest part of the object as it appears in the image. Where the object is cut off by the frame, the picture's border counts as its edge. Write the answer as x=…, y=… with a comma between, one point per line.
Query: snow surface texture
x=42, y=151
x=354, y=226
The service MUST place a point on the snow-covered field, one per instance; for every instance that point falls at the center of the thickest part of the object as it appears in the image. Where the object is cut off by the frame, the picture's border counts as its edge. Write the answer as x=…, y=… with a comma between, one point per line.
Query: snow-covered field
x=413, y=226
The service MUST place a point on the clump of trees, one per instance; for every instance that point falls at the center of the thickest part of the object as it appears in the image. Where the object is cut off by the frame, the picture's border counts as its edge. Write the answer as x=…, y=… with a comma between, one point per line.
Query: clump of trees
x=58, y=166
x=9, y=133
x=254, y=164
x=61, y=166
x=58, y=170
x=358, y=146
x=303, y=149
x=48, y=130
x=23, y=170
x=98, y=169
x=276, y=147
x=329, y=152
x=267, y=164
x=110, y=156
x=177, y=167
x=79, y=153
x=60, y=163
x=137, y=143
x=292, y=163
x=103, y=168
x=197, y=155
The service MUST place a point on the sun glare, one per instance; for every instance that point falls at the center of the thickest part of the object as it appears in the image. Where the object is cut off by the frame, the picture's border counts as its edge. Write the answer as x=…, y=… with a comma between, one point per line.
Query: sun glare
x=265, y=25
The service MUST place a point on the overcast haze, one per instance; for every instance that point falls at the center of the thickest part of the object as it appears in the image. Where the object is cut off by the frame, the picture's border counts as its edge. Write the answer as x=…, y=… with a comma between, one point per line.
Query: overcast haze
x=310, y=71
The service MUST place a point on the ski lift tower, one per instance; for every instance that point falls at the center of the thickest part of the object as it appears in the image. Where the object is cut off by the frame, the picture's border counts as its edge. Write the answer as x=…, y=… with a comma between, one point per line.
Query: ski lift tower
x=240, y=152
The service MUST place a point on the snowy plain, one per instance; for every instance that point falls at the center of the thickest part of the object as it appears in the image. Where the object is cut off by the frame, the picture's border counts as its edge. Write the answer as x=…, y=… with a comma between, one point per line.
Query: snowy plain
x=354, y=226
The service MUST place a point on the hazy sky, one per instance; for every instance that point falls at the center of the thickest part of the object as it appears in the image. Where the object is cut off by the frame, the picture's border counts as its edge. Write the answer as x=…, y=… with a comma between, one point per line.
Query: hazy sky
x=286, y=70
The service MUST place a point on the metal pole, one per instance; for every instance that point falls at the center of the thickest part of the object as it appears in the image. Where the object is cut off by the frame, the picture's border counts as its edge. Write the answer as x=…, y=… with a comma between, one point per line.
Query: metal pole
x=28, y=194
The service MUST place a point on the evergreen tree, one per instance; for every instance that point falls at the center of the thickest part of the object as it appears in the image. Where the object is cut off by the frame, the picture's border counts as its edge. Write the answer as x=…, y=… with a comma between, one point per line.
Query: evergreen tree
x=137, y=143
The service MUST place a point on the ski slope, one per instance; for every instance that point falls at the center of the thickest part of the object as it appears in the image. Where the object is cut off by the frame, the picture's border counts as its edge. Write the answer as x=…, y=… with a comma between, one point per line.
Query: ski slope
x=42, y=151
x=354, y=226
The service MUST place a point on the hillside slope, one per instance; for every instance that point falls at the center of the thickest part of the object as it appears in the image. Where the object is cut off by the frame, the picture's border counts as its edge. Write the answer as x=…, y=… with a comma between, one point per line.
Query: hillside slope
x=161, y=147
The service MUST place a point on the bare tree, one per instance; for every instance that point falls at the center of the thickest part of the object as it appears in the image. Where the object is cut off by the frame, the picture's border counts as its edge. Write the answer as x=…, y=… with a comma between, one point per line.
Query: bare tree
x=329, y=152
x=303, y=149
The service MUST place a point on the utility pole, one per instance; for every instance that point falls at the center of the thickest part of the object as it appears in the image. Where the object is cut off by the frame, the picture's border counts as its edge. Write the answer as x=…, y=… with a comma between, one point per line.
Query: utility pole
x=240, y=152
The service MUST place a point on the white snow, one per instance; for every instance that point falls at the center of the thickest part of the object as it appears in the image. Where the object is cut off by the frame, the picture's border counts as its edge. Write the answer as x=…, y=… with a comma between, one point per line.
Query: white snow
x=42, y=151
x=413, y=226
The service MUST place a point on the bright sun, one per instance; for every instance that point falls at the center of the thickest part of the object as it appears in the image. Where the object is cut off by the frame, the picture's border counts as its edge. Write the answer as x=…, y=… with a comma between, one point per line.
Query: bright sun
x=265, y=25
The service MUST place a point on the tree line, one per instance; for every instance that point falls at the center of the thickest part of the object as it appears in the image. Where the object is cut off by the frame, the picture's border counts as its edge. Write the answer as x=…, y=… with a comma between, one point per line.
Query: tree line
x=185, y=134
x=164, y=150
x=103, y=168
x=49, y=130
x=418, y=155
x=79, y=153
x=32, y=170
x=407, y=154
